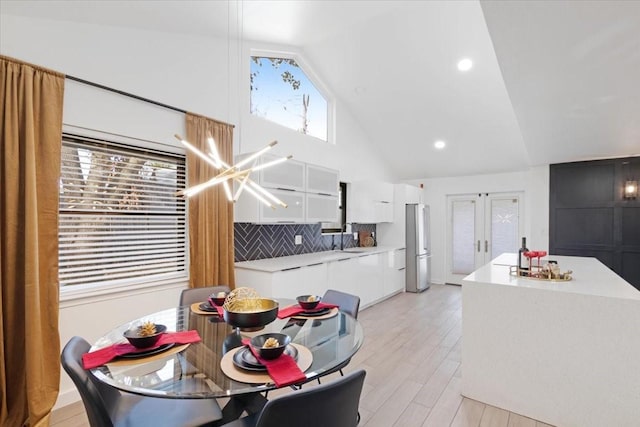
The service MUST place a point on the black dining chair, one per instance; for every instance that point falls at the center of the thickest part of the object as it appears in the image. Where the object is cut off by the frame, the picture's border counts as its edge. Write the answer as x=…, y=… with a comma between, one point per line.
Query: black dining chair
x=106, y=406
x=191, y=295
x=348, y=303
x=333, y=404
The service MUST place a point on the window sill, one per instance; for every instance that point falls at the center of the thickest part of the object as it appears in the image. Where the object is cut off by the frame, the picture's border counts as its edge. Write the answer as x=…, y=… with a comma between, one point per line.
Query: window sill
x=81, y=295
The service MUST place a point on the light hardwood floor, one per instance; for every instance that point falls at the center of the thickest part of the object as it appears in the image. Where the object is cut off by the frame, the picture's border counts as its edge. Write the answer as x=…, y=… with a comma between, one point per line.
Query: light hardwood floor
x=411, y=354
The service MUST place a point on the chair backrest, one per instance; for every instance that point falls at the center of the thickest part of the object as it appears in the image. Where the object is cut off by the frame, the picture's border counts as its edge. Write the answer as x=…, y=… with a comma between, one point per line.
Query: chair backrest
x=348, y=303
x=191, y=295
x=332, y=404
x=97, y=398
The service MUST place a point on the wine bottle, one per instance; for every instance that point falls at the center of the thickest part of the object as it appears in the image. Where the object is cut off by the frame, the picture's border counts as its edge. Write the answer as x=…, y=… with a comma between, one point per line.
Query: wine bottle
x=523, y=266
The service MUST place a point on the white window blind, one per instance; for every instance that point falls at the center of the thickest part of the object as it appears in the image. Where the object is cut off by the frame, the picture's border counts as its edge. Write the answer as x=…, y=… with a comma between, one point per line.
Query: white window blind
x=120, y=218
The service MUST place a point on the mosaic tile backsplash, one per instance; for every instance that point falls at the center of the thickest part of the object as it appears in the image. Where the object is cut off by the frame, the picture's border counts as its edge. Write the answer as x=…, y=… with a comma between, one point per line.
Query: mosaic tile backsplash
x=254, y=241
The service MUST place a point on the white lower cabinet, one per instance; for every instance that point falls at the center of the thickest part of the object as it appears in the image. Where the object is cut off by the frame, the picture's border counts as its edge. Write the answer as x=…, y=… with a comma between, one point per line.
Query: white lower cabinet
x=309, y=279
x=394, y=271
x=342, y=275
x=362, y=276
x=372, y=277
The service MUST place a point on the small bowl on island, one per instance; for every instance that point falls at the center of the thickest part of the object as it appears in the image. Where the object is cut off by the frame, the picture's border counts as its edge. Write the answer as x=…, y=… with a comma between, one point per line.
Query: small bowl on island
x=270, y=346
x=309, y=302
x=146, y=335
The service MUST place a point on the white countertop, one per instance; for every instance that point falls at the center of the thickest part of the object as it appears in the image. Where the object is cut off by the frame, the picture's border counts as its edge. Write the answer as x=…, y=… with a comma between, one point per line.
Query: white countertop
x=589, y=277
x=271, y=265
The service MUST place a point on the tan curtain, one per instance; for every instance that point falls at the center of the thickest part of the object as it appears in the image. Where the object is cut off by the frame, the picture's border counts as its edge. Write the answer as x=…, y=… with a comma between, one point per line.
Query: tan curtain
x=210, y=213
x=30, y=134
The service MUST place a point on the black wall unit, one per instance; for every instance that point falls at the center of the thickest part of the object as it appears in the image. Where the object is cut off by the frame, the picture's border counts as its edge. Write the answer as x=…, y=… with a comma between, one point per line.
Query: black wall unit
x=589, y=216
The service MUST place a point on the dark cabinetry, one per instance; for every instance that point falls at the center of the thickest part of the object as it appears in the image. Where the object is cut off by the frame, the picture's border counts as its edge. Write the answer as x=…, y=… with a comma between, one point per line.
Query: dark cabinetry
x=589, y=216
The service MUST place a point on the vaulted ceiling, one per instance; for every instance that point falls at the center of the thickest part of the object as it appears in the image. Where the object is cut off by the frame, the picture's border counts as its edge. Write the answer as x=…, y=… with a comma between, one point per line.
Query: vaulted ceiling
x=552, y=81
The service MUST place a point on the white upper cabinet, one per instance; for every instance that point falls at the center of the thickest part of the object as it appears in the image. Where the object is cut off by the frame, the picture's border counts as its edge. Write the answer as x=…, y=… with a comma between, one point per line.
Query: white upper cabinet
x=249, y=209
x=370, y=202
x=289, y=175
x=322, y=180
x=311, y=193
x=393, y=234
x=322, y=208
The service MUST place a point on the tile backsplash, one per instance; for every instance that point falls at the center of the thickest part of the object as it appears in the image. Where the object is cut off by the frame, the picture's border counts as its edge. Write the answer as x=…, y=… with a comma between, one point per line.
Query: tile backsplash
x=254, y=241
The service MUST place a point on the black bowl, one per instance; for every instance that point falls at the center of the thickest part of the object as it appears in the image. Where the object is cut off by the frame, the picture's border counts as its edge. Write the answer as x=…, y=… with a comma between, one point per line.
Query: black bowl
x=140, y=341
x=269, y=353
x=252, y=314
x=308, y=305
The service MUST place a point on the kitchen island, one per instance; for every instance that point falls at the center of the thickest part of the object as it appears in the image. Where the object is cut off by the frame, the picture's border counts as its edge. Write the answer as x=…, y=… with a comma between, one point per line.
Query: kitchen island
x=565, y=353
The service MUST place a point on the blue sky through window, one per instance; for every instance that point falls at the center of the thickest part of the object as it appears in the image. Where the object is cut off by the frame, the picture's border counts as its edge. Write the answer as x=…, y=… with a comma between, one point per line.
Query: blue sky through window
x=278, y=91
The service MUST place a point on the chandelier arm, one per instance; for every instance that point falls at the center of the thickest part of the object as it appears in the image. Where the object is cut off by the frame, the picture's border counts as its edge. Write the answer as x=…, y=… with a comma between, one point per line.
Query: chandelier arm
x=256, y=154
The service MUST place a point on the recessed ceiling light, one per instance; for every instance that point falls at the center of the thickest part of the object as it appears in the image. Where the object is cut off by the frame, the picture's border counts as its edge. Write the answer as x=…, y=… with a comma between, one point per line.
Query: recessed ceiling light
x=439, y=144
x=465, y=64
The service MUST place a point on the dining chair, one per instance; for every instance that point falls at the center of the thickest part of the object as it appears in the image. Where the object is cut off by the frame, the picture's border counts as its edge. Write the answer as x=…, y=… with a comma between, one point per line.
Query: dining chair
x=348, y=303
x=191, y=295
x=332, y=404
x=106, y=406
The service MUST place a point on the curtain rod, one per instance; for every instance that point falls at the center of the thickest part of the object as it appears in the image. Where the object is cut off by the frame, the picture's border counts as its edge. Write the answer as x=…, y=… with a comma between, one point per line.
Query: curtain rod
x=130, y=95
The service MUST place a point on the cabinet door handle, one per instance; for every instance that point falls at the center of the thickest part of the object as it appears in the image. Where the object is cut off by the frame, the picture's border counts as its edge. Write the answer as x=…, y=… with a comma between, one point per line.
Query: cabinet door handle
x=290, y=268
x=343, y=259
x=317, y=263
x=486, y=246
x=478, y=245
x=285, y=189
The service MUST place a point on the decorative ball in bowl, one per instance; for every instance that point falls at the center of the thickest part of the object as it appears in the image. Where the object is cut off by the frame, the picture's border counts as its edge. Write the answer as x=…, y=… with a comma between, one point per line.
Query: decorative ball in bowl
x=270, y=346
x=217, y=299
x=250, y=314
x=308, y=302
x=146, y=335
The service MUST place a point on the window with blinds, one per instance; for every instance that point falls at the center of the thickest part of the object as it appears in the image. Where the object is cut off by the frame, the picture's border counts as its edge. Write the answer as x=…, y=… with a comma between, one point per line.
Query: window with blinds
x=120, y=219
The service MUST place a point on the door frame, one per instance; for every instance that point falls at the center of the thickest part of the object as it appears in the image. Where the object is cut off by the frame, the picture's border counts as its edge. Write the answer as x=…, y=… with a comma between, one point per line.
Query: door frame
x=482, y=226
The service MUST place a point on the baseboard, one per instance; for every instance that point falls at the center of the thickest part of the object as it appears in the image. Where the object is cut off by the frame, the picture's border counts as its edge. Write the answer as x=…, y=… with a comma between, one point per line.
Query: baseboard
x=66, y=398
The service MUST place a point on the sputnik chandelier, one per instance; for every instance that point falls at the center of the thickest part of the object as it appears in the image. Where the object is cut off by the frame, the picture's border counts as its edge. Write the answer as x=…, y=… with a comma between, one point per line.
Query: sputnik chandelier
x=235, y=173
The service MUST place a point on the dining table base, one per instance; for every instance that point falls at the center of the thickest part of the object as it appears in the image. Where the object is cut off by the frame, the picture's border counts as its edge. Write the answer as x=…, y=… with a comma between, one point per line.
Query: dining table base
x=251, y=403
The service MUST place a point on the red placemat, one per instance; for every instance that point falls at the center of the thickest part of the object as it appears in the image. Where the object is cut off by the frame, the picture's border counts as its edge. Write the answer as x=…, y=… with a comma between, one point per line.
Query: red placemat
x=282, y=370
x=106, y=354
x=293, y=310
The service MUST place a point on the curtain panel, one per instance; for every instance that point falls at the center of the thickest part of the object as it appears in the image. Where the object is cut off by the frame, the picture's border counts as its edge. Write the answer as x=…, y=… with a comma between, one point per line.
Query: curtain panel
x=31, y=101
x=211, y=249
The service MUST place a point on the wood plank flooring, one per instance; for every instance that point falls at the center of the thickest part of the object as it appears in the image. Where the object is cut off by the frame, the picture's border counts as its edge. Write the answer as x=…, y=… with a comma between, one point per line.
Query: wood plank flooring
x=412, y=357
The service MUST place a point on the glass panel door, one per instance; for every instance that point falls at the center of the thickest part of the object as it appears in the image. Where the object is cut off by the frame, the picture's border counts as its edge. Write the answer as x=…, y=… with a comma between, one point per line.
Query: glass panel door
x=481, y=227
x=503, y=224
x=464, y=225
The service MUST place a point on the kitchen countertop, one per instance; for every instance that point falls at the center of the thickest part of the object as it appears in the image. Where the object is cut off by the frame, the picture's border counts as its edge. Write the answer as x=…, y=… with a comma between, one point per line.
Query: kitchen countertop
x=271, y=265
x=589, y=277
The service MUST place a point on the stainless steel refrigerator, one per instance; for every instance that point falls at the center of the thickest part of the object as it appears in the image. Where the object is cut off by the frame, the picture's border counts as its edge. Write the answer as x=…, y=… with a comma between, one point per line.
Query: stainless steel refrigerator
x=418, y=244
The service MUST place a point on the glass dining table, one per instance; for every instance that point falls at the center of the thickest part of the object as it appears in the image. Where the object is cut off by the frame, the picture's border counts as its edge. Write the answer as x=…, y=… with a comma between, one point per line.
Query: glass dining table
x=197, y=370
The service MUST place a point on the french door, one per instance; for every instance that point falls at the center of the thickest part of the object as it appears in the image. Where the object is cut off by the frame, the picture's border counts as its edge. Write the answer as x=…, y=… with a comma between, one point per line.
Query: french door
x=479, y=228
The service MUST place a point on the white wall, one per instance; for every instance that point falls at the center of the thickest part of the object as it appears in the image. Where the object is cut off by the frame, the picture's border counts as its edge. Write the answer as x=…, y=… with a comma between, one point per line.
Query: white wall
x=192, y=73
x=533, y=182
